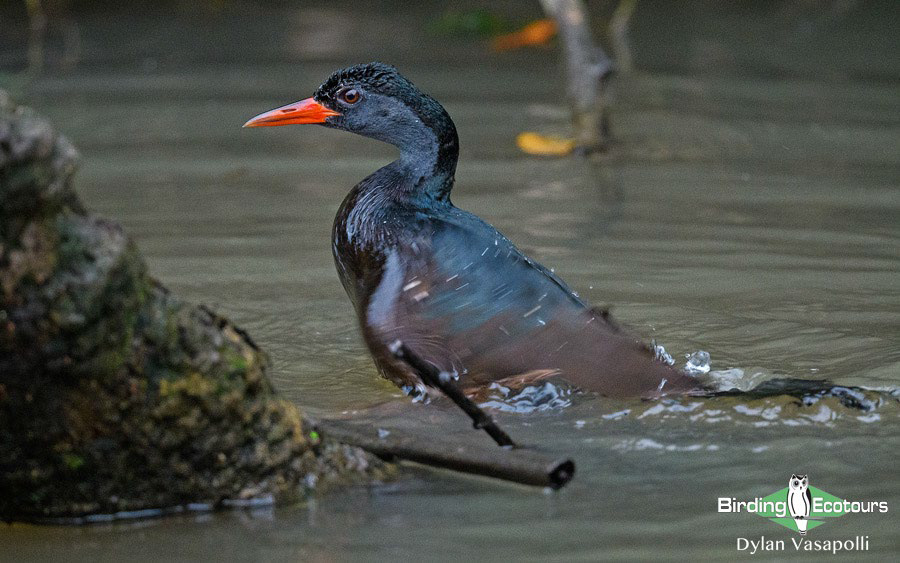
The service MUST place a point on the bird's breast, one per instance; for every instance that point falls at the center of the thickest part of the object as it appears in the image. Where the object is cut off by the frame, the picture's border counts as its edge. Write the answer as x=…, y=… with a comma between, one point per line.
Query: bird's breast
x=366, y=231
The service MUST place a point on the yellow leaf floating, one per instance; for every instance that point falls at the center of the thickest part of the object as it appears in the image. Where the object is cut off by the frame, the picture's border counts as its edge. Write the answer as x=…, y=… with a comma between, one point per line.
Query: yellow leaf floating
x=535, y=143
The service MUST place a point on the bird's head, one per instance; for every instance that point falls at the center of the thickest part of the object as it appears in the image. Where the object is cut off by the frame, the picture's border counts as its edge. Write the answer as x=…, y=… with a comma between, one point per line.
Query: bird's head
x=372, y=100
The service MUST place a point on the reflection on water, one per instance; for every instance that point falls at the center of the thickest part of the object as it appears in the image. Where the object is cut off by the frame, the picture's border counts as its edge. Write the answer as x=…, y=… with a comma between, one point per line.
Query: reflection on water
x=750, y=211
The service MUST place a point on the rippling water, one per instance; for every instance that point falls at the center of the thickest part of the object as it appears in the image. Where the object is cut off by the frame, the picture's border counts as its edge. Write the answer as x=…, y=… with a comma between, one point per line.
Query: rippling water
x=751, y=211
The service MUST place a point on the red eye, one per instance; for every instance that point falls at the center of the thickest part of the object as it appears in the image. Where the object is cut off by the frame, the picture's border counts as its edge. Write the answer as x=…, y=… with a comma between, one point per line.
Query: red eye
x=349, y=96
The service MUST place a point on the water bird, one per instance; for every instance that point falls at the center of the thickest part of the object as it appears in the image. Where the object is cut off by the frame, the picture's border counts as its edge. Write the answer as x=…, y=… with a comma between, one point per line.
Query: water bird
x=443, y=283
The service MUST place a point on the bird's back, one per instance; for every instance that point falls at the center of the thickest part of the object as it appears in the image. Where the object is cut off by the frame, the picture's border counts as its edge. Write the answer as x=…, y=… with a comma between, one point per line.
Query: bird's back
x=461, y=295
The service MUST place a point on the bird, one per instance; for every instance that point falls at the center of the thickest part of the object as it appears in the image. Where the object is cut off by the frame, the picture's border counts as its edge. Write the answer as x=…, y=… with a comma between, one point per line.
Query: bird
x=799, y=501
x=441, y=281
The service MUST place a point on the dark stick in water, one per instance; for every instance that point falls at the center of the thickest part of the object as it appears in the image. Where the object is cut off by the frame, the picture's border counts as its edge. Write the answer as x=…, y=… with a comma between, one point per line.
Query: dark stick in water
x=518, y=466
x=441, y=380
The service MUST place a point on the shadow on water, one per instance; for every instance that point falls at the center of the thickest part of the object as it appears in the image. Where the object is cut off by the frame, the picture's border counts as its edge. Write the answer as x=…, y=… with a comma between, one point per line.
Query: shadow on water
x=750, y=210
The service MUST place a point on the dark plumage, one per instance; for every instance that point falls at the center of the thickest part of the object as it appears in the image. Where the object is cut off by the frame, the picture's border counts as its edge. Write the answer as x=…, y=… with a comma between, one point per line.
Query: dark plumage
x=451, y=287
x=378, y=77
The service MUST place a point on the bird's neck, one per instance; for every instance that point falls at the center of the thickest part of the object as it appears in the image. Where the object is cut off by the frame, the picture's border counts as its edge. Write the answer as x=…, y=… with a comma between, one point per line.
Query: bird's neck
x=428, y=156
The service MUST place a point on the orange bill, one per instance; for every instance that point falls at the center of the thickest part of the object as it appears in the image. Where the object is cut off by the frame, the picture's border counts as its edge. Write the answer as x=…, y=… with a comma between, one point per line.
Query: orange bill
x=304, y=111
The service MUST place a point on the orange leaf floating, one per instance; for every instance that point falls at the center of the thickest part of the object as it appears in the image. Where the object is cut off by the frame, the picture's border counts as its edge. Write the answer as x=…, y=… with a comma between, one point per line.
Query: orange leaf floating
x=538, y=32
x=535, y=143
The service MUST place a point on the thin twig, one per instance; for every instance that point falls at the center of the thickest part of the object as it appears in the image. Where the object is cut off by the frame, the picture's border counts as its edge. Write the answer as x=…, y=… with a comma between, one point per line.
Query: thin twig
x=433, y=377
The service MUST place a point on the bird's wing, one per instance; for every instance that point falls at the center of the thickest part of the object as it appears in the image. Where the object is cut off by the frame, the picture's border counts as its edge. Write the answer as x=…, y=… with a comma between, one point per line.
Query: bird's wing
x=463, y=297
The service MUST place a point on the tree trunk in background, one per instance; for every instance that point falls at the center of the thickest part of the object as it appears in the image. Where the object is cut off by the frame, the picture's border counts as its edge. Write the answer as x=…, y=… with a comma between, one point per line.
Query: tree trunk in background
x=618, y=32
x=587, y=70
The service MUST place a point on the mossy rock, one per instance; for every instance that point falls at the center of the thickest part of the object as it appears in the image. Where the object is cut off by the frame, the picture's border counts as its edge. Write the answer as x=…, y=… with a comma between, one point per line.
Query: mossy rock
x=114, y=394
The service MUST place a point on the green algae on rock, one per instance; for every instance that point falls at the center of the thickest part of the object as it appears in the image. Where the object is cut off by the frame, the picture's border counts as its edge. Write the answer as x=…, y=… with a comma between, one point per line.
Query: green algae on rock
x=115, y=396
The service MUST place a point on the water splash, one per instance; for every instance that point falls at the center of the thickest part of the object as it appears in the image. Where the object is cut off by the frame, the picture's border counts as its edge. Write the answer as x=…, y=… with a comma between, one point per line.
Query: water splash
x=732, y=378
x=697, y=363
x=849, y=397
x=534, y=398
x=659, y=352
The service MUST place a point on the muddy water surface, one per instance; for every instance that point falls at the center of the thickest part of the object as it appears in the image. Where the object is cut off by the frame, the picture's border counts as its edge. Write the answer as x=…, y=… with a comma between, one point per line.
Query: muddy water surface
x=750, y=210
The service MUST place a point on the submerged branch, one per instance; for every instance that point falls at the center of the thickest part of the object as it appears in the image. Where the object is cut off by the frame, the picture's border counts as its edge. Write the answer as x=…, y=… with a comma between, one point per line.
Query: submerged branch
x=518, y=465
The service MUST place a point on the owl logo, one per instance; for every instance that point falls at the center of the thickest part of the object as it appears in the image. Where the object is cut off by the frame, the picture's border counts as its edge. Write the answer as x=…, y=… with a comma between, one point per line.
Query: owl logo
x=799, y=501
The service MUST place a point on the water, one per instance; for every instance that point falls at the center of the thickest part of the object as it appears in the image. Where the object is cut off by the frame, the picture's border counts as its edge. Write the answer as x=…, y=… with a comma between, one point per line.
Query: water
x=751, y=211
